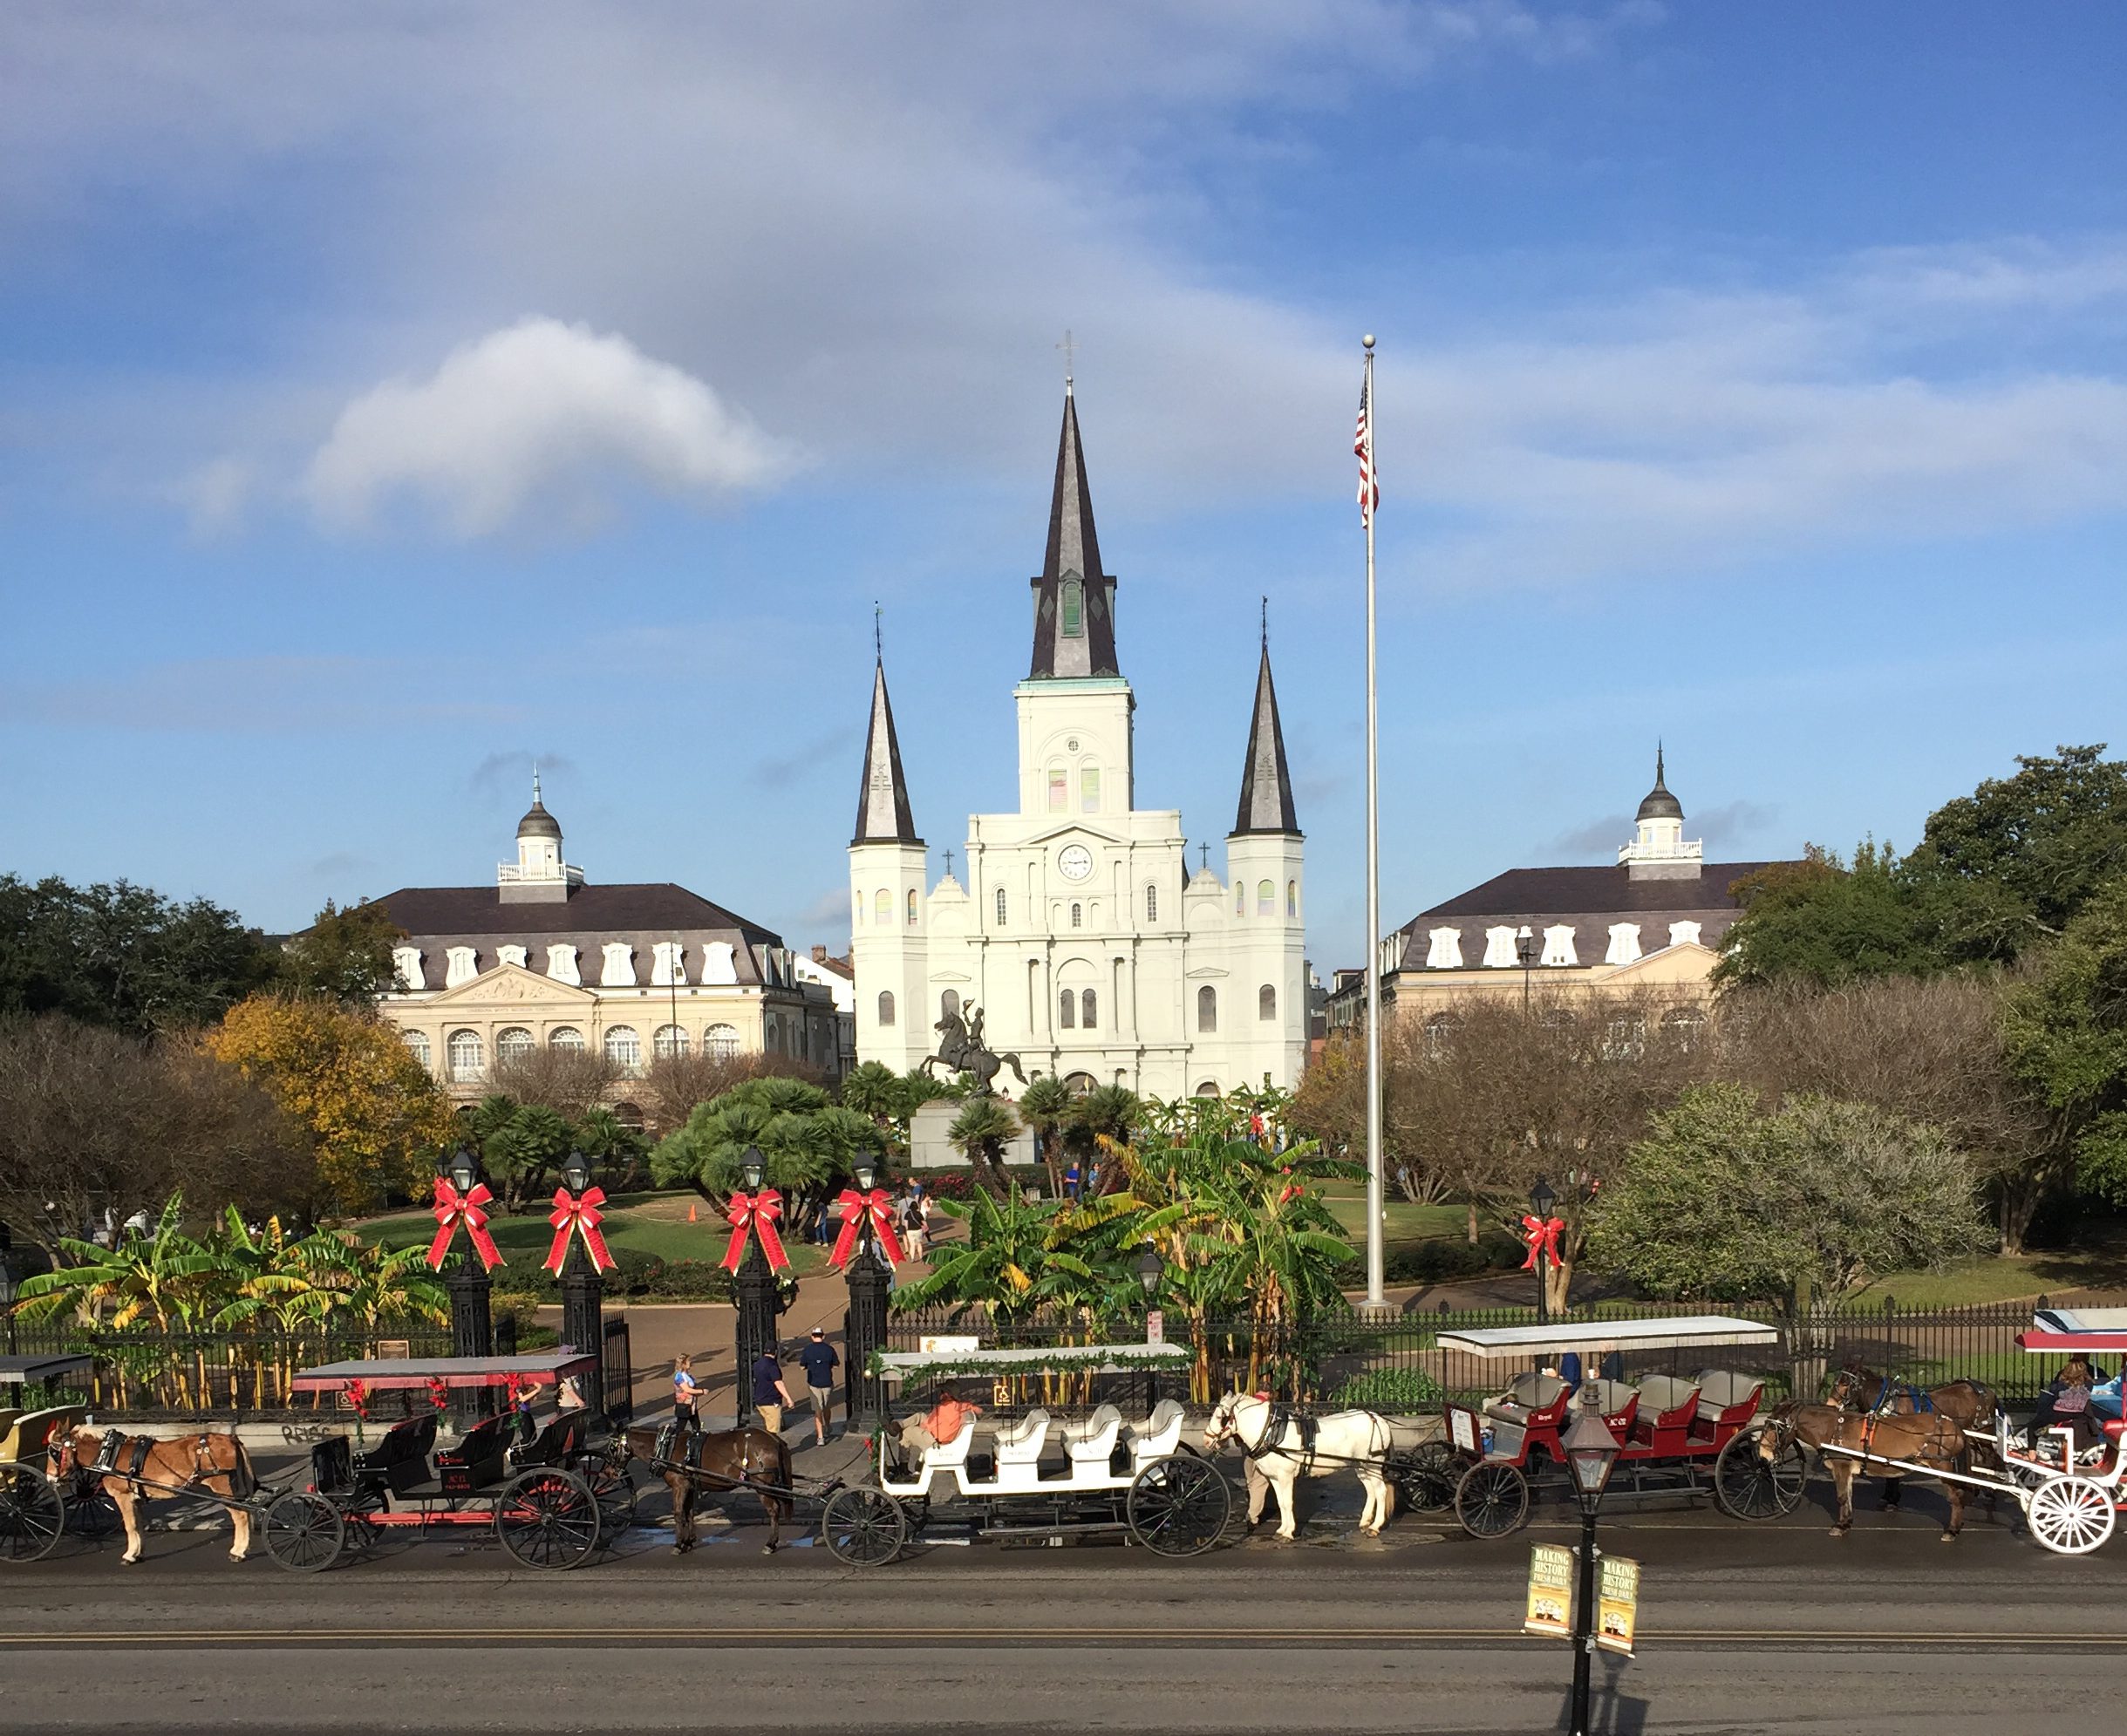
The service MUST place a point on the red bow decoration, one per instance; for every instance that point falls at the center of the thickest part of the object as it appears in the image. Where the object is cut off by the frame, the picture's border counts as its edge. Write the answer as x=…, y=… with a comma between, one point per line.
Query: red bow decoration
x=452, y=1209
x=358, y=1399
x=579, y=1212
x=855, y=1208
x=757, y=1212
x=438, y=1394
x=1542, y=1233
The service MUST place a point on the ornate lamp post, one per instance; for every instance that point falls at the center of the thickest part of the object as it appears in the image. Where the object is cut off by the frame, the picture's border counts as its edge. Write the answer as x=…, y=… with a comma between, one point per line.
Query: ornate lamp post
x=1541, y=1200
x=583, y=1284
x=472, y=1290
x=754, y=1288
x=864, y=1327
x=1527, y=949
x=1591, y=1450
x=1150, y=1270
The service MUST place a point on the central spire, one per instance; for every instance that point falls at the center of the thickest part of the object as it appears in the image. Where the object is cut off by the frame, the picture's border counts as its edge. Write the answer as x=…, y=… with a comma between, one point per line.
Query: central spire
x=1074, y=600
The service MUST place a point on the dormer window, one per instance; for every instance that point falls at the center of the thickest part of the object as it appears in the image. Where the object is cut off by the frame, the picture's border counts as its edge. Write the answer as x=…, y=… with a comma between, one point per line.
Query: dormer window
x=561, y=964
x=406, y=961
x=1624, y=943
x=1684, y=934
x=1072, y=615
x=510, y=955
x=668, y=965
x=618, y=968
x=463, y=966
x=1444, y=949
x=1558, y=944
x=1499, y=948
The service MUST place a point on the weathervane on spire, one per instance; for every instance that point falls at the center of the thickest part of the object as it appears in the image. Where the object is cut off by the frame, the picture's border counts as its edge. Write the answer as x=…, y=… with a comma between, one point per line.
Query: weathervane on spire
x=534, y=783
x=878, y=633
x=1266, y=622
x=1069, y=346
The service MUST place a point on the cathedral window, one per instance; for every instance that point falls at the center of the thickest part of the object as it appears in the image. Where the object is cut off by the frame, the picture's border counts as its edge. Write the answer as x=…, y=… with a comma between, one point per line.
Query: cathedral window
x=1078, y=915
x=911, y=905
x=1066, y=1011
x=1207, y=1008
x=1292, y=900
x=1074, y=610
x=886, y=1006
x=1558, y=944
x=771, y=1035
x=882, y=906
x=1000, y=907
x=1152, y=903
x=1266, y=898
x=566, y=1038
x=463, y=966
x=1267, y=1002
x=512, y=1045
x=1059, y=790
x=1624, y=943
x=669, y=1042
x=856, y=903
x=1089, y=789
x=623, y=1048
x=1085, y=1009
x=1208, y=1087
x=949, y=1004
x=417, y=1042
x=720, y=1042
x=1240, y=899
x=464, y=1050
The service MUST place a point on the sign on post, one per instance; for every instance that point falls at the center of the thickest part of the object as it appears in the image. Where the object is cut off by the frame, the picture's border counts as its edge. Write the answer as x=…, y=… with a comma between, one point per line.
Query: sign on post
x=1155, y=1327
x=1616, y=1604
x=1550, y=1591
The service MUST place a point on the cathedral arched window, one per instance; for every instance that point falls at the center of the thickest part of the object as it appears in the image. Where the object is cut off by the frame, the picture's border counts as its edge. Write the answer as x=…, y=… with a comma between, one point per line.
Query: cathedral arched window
x=886, y=1006
x=512, y=1045
x=1073, y=612
x=464, y=1050
x=1266, y=898
x=1152, y=903
x=1240, y=899
x=882, y=906
x=1060, y=789
x=1000, y=907
x=1207, y=1008
x=1066, y=1011
x=1087, y=1009
x=1078, y=915
x=1267, y=1002
x=911, y=904
x=1293, y=899
x=949, y=1004
x=1089, y=789
x=857, y=903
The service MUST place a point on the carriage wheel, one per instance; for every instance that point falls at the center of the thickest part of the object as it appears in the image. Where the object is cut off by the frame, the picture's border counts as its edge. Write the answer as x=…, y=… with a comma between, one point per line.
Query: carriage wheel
x=31, y=1513
x=92, y=1513
x=1492, y=1500
x=1750, y=1486
x=2071, y=1516
x=1425, y=1478
x=304, y=1532
x=613, y=1490
x=863, y=1527
x=547, y=1518
x=1179, y=1507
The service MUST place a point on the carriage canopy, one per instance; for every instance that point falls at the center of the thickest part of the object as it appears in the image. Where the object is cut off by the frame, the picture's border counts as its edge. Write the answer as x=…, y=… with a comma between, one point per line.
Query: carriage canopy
x=2071, y=1331
x=24, y=1371
x=382, y=1374
x=1035, y=1359
x=1683, y=1332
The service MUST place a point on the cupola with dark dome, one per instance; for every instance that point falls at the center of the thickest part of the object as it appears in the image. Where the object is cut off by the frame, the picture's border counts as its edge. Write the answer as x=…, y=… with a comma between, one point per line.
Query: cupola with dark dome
x=539, y=875
x=1660, y=852
x=1659, y=804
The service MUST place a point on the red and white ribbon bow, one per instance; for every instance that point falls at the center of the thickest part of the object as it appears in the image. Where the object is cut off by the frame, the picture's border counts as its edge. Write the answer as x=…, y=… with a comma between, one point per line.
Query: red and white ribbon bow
x=855, y=1208
x=757, y=1212
x=1542, y=1233
x=576, y=1214
x=452, y=1209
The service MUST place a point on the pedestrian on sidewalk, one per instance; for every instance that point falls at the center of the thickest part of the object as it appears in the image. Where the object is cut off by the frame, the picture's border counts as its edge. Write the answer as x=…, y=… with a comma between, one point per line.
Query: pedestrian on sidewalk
x=684, y=1391
x=912, y=1228
x=819, y=1361
x=770, y=1395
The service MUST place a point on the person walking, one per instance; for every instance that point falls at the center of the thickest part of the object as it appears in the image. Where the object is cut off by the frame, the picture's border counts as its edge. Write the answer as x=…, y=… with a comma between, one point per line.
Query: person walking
x=912, y=1228
x=819, y=1361
x=770, y=1395
x=684, y=1391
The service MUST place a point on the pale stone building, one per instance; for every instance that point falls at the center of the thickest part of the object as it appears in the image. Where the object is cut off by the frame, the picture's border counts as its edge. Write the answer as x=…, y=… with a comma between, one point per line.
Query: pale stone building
x=1075, y=924
x=545, y=958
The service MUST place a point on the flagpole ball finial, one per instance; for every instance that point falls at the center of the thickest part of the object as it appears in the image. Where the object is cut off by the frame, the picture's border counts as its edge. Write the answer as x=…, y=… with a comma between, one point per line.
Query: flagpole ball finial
x=1368, y=340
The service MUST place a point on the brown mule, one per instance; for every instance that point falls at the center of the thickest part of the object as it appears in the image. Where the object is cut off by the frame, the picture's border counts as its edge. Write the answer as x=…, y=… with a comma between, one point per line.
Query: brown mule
x=1922, y=1438
x=1969, y=1403
x=739, y=1458
x=214, y=1464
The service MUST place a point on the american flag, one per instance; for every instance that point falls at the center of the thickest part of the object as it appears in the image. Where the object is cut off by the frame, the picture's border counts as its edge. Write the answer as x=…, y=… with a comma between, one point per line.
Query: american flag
x=1362, y=443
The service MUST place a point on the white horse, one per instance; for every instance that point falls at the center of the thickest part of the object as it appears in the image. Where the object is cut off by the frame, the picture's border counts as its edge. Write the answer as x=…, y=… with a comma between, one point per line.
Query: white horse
x=1282, y=1448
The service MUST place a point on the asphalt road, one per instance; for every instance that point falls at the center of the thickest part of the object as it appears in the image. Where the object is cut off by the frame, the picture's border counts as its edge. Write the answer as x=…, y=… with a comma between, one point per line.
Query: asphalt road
x=1752, y=1629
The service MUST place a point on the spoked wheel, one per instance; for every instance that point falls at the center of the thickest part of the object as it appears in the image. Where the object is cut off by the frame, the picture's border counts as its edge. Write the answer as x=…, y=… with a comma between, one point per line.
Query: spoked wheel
x=863, y=1527
x=1425, y=1477
x=92, y=1513
x=2071, y=1516
x=547, y=1518
x=31, y=1513
x=304, y=1532
x=614, y=1491
x=1179, y=1507
x=1492, y=1500
x=1750, y=1486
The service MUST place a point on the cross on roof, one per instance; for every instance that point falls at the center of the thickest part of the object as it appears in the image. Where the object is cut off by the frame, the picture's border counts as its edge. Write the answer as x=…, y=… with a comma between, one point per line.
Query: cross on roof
x=1069, y=346
x=949, y=864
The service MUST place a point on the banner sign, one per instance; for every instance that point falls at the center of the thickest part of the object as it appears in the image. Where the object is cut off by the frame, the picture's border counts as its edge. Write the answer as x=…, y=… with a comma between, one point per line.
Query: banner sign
x=1550, y=1591
x=1617, y=1603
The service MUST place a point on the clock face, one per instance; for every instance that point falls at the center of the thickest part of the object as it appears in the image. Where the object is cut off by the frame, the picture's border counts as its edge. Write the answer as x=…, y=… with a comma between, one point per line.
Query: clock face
x=1076, y=862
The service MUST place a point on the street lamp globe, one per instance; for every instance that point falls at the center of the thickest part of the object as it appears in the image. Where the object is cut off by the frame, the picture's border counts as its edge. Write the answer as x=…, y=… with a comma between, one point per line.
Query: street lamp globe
x=1149, y=1267
x=1526, y=946
x=575, y=1172
x=751, y=1167
x=1591, y=1450
x=866, y=1169
x=464, y=1169
x=1541, y=1198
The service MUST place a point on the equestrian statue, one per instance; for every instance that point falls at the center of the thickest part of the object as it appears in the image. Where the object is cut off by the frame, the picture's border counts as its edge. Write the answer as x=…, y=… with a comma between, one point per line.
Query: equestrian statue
x=961, y=1050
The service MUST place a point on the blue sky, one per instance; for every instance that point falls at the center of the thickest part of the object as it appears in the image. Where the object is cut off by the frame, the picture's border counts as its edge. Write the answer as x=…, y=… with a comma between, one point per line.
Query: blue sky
x=386, y=400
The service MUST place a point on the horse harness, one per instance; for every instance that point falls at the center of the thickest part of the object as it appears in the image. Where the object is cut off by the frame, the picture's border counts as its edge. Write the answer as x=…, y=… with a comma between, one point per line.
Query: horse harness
x=127, y=1456
x=1305, y=1423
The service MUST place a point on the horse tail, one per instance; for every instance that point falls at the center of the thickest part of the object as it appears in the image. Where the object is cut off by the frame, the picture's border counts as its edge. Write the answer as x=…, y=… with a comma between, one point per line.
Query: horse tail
x=243, y=1479
x=1013, y=1061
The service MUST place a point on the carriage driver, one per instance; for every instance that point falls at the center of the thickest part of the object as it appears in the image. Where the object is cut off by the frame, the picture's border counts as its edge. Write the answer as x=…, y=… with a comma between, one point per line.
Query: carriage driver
x=940, y=1423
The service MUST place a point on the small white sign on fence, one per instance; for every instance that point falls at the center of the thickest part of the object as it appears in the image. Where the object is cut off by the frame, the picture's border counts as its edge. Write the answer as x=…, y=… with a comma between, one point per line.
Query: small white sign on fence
x=947, y=1344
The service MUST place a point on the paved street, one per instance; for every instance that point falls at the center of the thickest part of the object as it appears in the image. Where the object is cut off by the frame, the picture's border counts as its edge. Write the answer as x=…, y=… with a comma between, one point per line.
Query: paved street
x=1744, y=1630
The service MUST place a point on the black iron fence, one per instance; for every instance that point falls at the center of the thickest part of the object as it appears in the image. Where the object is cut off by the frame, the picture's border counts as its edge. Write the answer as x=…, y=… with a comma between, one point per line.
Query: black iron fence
x=1398, y=1365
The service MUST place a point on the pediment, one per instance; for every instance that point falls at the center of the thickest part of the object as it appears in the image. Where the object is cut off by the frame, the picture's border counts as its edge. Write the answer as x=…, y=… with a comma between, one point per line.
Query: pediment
x=1196, y=972
x=514, y=985
x=1074, y=829
x=1688, y=961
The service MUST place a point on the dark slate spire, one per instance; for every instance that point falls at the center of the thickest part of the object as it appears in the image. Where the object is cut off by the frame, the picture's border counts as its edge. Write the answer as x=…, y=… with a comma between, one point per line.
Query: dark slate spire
x=882, y=814
x=1659, y=803
x=1074, y=601
x=1266, y=787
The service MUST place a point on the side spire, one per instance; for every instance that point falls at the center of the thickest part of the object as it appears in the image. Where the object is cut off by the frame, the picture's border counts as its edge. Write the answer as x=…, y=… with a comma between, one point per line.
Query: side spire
x=1266, y=787
x=1074, y=599
x=883, y=816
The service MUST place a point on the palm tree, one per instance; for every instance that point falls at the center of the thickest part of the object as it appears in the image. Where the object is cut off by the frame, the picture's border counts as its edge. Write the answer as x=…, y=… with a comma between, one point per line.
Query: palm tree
x=1044, y=1105
x=1107, y=1113
x=980, y=1133
x=159, y=1279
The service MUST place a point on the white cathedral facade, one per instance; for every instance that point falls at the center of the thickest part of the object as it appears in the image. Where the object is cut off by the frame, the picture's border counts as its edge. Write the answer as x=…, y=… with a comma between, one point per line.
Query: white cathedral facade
x=1078, y=932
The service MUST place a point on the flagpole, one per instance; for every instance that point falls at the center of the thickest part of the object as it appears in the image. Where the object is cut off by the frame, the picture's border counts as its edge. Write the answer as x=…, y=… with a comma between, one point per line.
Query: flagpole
x=1375, y=1203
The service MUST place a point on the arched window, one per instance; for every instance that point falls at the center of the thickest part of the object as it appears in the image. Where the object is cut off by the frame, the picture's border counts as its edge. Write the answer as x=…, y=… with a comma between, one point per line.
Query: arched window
x=1266, y=898
x=464, y=1050
x=566, y=1038
x=771, y=1035
x=856, y=900
x=1207, y=1087
x=882, y=906
x=1267, y=1002
x=418, y=1041
x=1683, y=1025
x=720, y=1042
x=1077, y=915
x=1152, y=903
x=1440, y=1035
x=911, y=904
x=1240, y=899
x=1089, y=789
x=1060, y=789
x=1085, y=1010
x=1207, y=1008
x=1066, y=1011
x=512, y=1045
x=886, y=1006
x=623, y=1048
x=1074, y=610
x=1000, y=907
x=949, y=1004
x=669, y=1042
x=1293, y=899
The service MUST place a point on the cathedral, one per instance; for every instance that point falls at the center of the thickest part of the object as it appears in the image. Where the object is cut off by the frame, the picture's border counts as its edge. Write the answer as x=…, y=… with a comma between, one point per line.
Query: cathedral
x=1078, y=942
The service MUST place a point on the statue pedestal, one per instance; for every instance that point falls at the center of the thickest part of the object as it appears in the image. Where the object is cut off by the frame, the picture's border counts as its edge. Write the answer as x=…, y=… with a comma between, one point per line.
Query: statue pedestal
x=929, y=1148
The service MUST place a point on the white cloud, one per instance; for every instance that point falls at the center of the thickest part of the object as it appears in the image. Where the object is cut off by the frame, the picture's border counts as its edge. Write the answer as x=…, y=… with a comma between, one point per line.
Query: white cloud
x=536, y=410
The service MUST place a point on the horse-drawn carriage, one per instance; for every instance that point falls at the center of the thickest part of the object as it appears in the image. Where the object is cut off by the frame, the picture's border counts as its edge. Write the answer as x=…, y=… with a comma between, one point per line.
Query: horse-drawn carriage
x=1672, y=1429
x=1036, y=1476
x=32, y=1507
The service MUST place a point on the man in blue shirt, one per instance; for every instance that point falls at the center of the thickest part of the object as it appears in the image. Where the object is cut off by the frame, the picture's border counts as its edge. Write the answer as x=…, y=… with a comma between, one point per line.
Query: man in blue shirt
x=819, y=1361
x=770, y=1395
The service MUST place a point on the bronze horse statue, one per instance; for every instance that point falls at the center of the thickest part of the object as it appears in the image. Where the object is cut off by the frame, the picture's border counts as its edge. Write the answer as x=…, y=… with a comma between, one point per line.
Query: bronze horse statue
x=1915, y=1437
x=129, y=1468
x=690, y=1460
x=961, y=1050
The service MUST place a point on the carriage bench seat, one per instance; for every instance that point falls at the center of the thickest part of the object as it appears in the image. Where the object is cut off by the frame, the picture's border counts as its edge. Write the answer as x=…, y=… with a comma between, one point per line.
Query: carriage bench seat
x=478, y=1460
x=1728, y=1400
x=1667, y=1407
x=399, y=1461
x=1092, y=1442
x=32, y=1433
x=1161, y=1435
x=1019, y=1445
x=559, y=1442
x=1529, y=1395
x=1619, y=1403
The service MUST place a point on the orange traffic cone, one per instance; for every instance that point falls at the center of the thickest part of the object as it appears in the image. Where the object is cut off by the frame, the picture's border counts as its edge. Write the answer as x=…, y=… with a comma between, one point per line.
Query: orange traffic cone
x=690, y=1217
